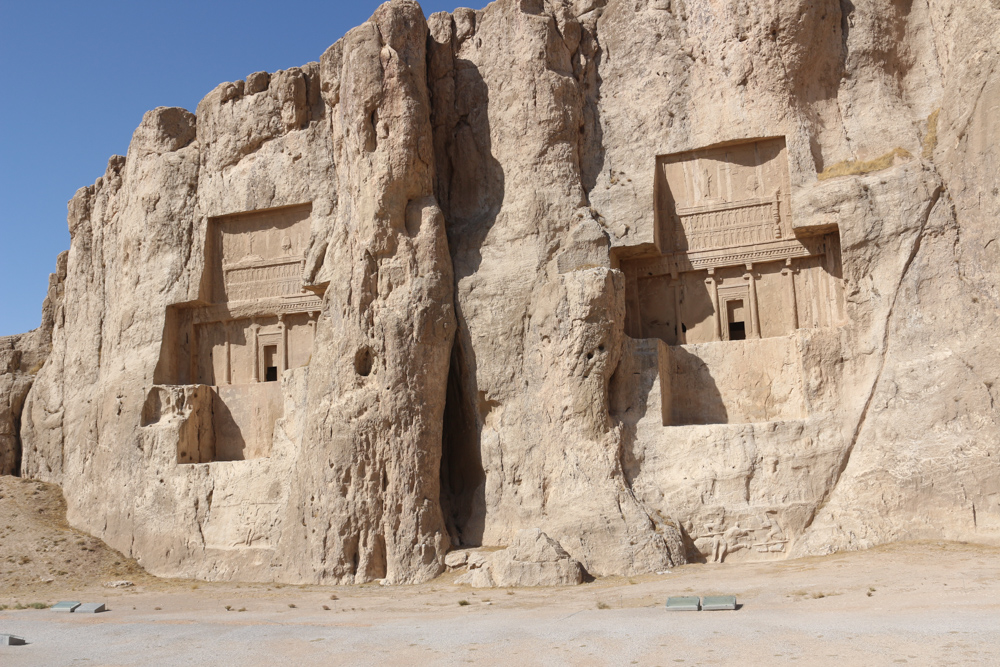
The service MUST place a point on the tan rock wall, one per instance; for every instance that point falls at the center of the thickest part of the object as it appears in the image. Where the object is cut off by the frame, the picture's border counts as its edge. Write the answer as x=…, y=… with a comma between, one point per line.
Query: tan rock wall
x=486, y=356
x=21, y=357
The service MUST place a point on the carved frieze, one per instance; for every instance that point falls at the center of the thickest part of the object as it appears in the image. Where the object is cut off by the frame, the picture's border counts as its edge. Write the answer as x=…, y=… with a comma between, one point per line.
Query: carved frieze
x=262, y=279
x=257, y=255
x=727, y=225
x=725, y=206
x=738, y=256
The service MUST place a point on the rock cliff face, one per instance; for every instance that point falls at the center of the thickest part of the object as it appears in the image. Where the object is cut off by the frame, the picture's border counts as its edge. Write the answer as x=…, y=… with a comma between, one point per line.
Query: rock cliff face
x=664, y=279
x=21, y=357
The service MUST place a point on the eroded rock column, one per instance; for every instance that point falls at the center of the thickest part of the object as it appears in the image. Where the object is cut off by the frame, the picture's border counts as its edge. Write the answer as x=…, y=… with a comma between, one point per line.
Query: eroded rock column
x=369, y=472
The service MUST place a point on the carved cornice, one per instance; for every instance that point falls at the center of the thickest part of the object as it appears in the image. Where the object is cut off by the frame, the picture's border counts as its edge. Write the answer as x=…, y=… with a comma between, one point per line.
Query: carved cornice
x=718, y=258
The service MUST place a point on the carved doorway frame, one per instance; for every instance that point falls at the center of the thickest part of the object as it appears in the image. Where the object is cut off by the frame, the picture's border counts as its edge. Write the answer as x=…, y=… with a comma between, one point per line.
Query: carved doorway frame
x=267, y=340
x=734, y=293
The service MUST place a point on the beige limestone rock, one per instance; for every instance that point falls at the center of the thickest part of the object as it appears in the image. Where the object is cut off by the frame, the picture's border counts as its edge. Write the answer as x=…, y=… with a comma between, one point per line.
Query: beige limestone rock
x=665, y=281
x=335, y=497
x=21, y=357
x=539, y=338
x=534, y=559
x=455, y=559
x=14, y=386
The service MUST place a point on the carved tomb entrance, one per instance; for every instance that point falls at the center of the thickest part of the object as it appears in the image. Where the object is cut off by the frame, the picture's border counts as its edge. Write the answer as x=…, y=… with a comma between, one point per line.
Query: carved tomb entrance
x=253, y=322
x=729, y=266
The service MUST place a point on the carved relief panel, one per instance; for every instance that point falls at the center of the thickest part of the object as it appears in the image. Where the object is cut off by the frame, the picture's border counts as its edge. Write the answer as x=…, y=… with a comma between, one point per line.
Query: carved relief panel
x=258, y=255
x=734, y=196
x=727, y=267
x=253, y=322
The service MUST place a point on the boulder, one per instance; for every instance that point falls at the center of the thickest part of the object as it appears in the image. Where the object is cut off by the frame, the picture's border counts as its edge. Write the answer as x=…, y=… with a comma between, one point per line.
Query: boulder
x=534, y=559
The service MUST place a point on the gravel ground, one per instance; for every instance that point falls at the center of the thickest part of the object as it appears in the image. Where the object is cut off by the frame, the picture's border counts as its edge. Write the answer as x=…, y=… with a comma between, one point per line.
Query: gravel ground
x=613, y=637
x=922, y=604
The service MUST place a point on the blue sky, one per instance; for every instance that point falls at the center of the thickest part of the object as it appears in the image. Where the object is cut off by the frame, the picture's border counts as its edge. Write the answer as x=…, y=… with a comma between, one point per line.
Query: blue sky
x=77, y=77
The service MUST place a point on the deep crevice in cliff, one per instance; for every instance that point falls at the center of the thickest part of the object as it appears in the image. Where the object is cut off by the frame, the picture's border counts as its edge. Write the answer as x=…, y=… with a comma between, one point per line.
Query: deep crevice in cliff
x=18, y=445
x=462, y=475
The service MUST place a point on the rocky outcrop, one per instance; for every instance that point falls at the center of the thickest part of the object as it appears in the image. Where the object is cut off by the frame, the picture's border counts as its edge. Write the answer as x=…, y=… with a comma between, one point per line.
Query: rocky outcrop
x=541, y=311
x=533, y=559
x=21, y=357
x=664, y=281
x=340, y=496
x=14, y=386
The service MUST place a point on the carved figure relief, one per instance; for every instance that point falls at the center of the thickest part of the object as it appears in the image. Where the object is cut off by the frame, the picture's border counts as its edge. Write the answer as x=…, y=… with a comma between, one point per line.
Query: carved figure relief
x=774, y=539
x=716, y=542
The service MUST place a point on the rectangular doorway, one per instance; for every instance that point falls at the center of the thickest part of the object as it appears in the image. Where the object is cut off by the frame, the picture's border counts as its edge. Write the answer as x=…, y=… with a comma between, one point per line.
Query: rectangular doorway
x=736, y=318
x=270, y=363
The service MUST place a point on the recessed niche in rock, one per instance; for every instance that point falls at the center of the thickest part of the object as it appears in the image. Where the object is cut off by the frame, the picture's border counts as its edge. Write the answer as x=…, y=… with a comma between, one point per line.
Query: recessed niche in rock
x=253, y=322
x=729, y=268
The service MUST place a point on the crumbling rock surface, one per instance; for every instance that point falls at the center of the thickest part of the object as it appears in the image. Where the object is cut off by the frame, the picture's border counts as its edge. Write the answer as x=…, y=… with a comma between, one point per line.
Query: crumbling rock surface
x=521, y=267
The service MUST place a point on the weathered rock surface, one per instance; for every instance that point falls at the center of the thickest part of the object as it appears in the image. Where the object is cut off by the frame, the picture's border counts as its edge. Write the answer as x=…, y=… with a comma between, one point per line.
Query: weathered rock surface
x=490, y=271
x=21, y=357
x=533, y=559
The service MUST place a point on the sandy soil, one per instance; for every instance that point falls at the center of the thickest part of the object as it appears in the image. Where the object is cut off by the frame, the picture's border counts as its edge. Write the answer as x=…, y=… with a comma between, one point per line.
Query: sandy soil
x=915, y=603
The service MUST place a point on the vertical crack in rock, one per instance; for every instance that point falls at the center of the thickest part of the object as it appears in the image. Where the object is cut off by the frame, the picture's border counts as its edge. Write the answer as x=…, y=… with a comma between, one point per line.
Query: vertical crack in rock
x=462, y=475
x=587, y=59
x=934, y=199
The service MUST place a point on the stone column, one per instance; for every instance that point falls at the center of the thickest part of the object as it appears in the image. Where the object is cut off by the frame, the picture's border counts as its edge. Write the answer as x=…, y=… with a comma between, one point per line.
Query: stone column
x=313, y=316
x=677, y=285
x=229, y=356
x=193, y=357
x=283, y=351
x=255, y=370
x=789, y=272
x=754, y=315
x=714, y=291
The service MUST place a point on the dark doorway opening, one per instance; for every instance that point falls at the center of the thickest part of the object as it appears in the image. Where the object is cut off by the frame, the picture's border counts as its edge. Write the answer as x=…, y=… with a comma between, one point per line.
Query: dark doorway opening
x=270, y=367
x=736, y=319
